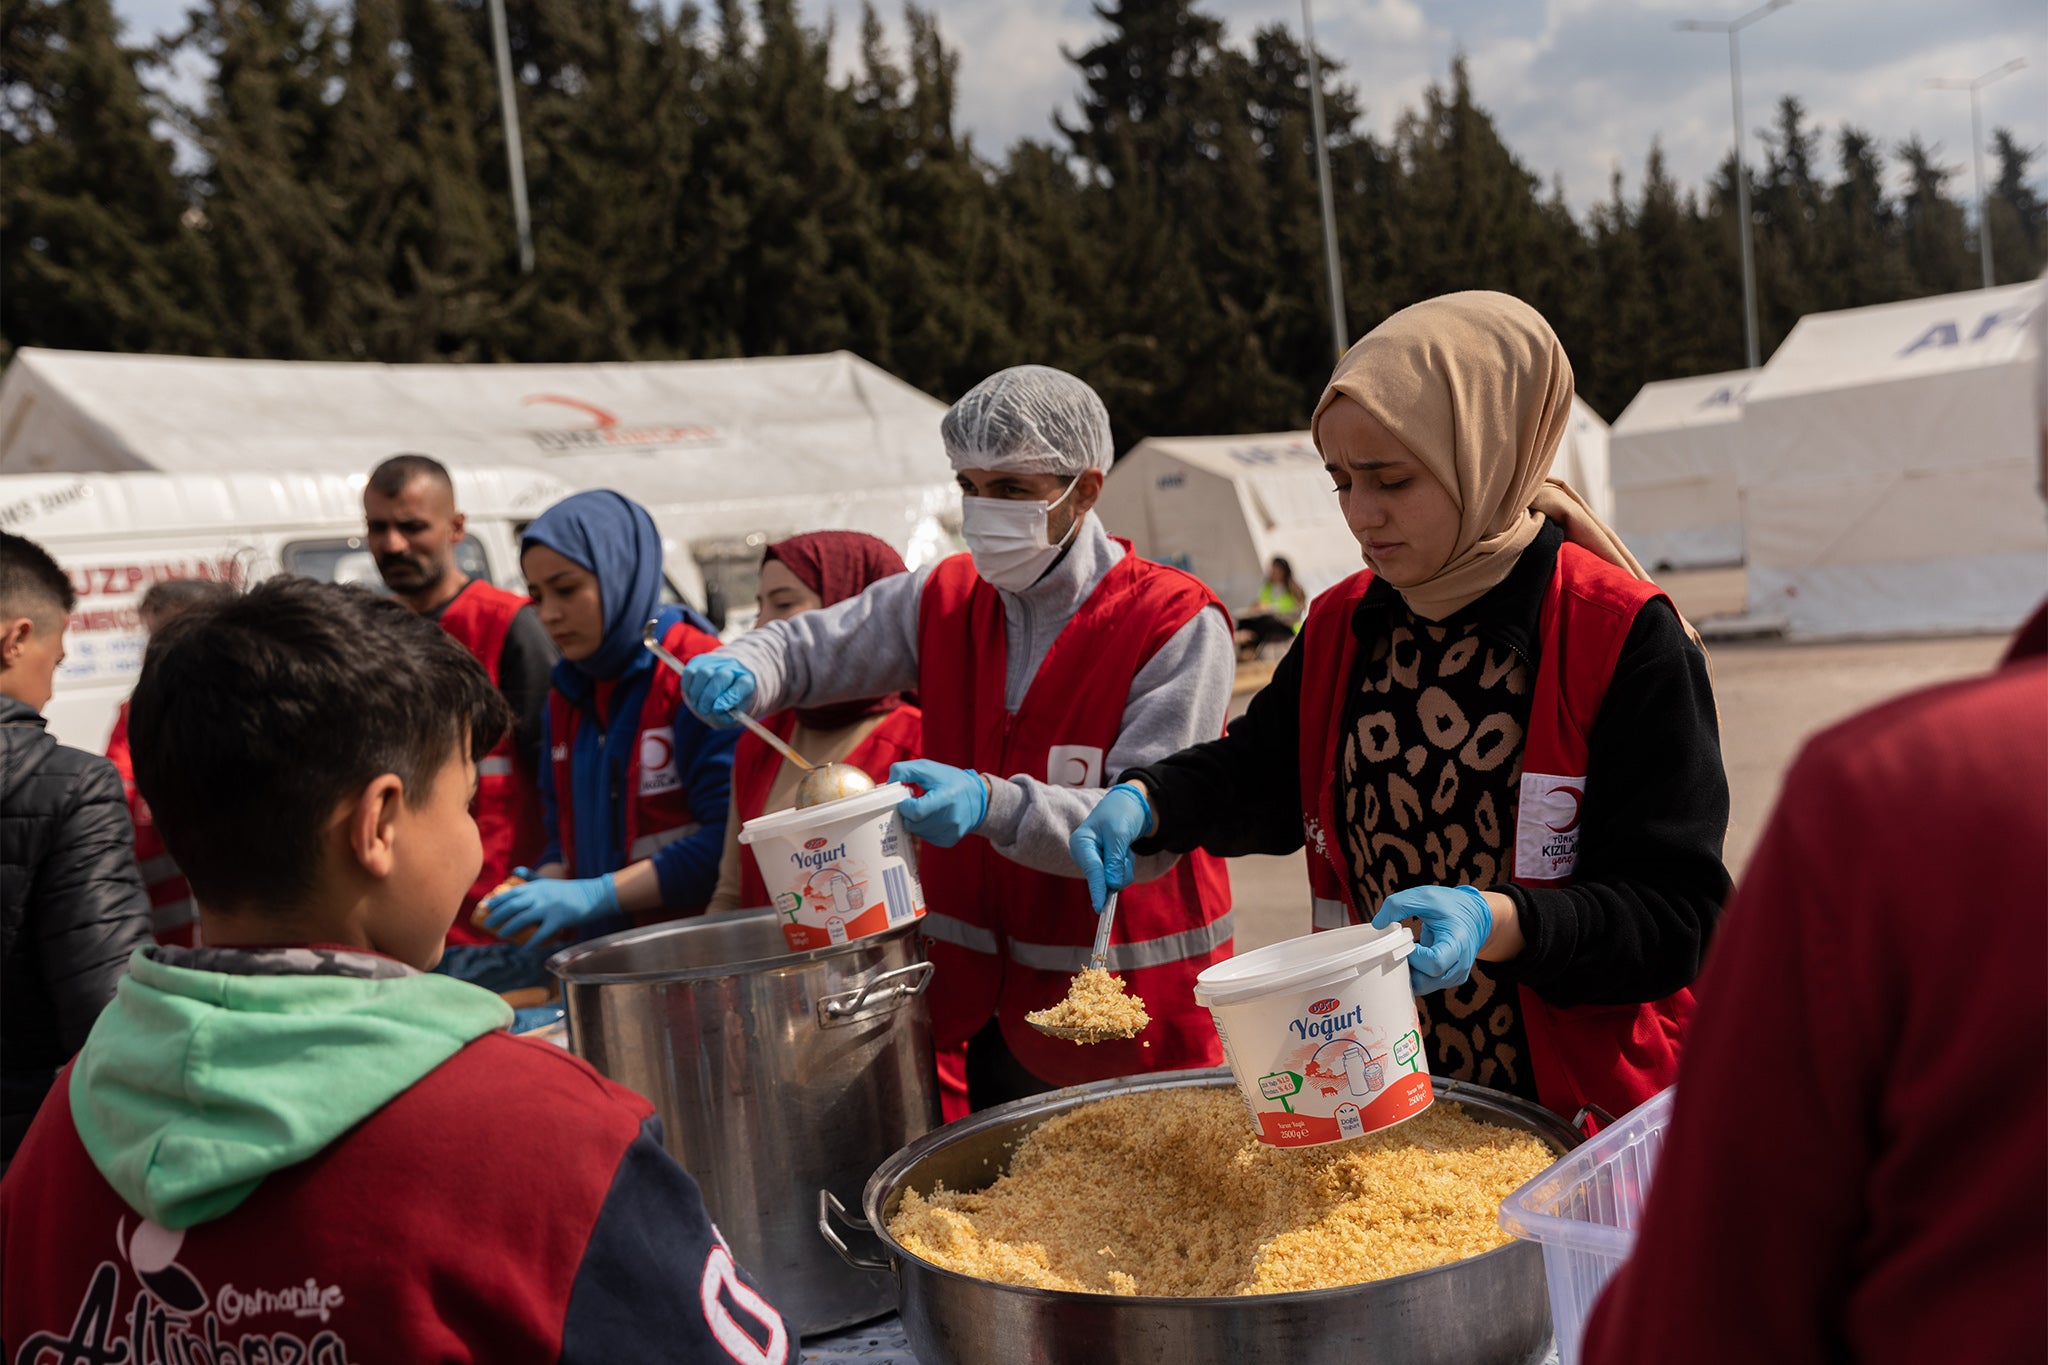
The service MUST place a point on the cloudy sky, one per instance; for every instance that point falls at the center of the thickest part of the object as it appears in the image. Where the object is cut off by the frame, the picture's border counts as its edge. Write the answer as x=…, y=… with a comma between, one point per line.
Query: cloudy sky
x=1580, y=87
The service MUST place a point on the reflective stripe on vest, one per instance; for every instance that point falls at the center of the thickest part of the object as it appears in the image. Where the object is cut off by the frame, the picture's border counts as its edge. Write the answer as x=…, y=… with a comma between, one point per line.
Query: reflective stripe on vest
x=158, y=869
x=959, y=933
x=1328, y=914
x=1125, y=957
x=494, y=767
x=176, y=915
x=647, y=845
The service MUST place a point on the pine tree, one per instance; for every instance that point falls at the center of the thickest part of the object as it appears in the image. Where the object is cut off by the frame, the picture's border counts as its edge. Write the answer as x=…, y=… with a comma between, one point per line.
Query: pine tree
x=279, y=253
x=94, y=249
x=1937, y=249
x=1791, y=248
x=1865, y=259
x=2019, y=217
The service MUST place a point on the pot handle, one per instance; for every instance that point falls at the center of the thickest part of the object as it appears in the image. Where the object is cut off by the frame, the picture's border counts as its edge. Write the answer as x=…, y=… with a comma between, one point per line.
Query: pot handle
x=828, y=1204
x=889, y=988
x=1595, y=1113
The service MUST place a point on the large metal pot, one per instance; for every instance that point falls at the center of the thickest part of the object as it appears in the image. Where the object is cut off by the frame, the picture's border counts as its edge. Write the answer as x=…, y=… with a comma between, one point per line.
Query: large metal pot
x=1488, y=1310
x=775, y=1074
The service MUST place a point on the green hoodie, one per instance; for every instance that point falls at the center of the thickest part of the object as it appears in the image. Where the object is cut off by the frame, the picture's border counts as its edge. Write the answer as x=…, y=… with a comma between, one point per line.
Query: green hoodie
x=194, y=1085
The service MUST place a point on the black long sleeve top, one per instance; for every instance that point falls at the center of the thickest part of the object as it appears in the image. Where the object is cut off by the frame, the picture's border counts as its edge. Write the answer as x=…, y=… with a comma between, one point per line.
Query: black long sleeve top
x=1634, y=923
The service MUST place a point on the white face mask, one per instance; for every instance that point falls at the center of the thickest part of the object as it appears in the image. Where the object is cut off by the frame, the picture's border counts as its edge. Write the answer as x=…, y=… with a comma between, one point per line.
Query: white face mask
x=1009, y=541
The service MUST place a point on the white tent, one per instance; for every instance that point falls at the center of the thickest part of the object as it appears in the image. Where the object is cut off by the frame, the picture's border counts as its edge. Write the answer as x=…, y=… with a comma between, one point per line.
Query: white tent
x=724, y=453
x=1889, y=467
x=1222, y=507
x=1586, y=459
x=1673, y=448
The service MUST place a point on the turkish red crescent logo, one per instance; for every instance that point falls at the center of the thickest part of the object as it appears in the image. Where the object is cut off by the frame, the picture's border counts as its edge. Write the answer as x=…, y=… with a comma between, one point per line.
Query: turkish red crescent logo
x=599, y=417
x=814, y=843
x=1577, y=796
x=1323, y=1006
x=656, y=751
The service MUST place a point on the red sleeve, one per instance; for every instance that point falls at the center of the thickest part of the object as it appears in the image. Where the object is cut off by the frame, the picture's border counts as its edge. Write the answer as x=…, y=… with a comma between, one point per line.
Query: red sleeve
x=119, y=753
x=1756, y=1190
x=1857, y=1167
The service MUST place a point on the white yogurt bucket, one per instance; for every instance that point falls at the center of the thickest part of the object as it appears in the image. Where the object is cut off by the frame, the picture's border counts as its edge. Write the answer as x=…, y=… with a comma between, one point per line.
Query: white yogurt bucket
x=1321, y=1034
x=839, y=870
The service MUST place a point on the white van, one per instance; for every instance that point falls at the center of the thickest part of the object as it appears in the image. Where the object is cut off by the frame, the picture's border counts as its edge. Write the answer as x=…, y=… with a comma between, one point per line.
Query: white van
x=116, y=534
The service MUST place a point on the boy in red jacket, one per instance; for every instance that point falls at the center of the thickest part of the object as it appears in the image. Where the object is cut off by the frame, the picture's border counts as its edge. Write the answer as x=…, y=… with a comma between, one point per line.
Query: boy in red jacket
x=248, y=1160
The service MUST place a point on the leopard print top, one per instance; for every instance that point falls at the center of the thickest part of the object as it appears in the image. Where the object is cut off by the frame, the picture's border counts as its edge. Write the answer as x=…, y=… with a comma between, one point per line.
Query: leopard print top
x=1428, y=782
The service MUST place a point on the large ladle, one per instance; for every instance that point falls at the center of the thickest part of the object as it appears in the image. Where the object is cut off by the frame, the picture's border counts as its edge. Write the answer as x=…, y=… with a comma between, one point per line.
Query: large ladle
x=1097, y=961
x=821, y=782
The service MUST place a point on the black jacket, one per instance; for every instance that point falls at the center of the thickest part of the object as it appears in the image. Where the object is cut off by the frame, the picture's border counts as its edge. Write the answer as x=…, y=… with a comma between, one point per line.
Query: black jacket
x=1634, y=924
x=72, y=906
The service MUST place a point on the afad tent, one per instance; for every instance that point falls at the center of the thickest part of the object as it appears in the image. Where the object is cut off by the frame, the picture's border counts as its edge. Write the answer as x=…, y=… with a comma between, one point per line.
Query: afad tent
x=725, y=453
x=1676, y=500
x=1222, y=507
x=1889, y=468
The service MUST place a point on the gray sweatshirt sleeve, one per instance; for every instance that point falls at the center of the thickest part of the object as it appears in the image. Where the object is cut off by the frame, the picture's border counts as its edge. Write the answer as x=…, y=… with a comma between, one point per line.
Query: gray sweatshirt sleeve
x=1179, y=698
x=865, y=646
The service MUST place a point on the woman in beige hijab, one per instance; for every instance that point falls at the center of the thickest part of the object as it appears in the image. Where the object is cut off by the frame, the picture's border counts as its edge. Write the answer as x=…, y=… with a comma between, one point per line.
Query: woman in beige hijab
x=1499, y=733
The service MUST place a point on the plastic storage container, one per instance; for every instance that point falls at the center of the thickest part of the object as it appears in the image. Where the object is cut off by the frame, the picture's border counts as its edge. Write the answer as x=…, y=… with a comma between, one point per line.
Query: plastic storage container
x=1584, y=1211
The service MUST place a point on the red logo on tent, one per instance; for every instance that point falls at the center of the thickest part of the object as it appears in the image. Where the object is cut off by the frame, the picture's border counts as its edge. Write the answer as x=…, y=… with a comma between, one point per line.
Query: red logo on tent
x=1323, y=1006
x=1568, y=826
x=814, y=843
x=600, y=418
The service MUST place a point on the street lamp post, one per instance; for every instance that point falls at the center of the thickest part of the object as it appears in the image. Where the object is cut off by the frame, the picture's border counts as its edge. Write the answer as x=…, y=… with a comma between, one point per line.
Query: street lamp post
x=1340, y=333
x=1977, y=149
x=1733, y=28
x=515, y=151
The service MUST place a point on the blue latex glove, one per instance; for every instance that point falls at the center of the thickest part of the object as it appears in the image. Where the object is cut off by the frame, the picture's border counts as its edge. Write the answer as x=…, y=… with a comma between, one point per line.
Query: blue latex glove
x=549, y=905
x=954, y=804
x=1456, y=922
x=1101, y=847
x=715, y=687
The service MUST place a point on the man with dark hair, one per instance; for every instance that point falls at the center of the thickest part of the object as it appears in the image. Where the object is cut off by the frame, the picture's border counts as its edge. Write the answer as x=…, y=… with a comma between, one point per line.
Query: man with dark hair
x=72, y=907
x=414, y=527
x=253, y=1160
x=173, y=916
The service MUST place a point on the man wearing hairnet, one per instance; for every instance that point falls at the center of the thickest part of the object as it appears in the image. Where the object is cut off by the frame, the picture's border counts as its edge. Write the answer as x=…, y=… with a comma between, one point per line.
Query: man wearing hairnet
x=1047, y=659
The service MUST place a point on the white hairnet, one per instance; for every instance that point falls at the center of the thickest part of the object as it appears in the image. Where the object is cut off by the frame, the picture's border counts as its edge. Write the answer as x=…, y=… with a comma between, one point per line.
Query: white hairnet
x=1029, y=419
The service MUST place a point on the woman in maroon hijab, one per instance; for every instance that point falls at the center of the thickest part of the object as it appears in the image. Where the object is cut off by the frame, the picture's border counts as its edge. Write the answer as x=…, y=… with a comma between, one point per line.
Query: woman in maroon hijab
x=798, y=575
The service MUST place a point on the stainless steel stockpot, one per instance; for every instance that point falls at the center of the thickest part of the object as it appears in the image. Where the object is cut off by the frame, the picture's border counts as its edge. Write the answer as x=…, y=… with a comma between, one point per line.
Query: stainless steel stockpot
x=776, y=1074
x=1486, y=1310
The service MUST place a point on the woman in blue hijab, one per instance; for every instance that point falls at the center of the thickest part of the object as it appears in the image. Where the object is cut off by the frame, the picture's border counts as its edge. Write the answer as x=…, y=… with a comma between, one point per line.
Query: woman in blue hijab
x=635, y=787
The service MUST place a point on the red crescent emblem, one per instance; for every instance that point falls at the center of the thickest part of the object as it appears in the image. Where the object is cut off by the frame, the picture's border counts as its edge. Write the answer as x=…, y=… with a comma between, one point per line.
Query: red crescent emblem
x=1576, y=795
x=602, y=419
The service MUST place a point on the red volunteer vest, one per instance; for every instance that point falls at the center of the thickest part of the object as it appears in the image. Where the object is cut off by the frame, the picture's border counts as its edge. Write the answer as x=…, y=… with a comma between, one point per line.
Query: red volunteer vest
x=507, y=804
x=1007, y=938
x=1615, y=1056
x=754, y=765
x=173, y=914
x=657, y=809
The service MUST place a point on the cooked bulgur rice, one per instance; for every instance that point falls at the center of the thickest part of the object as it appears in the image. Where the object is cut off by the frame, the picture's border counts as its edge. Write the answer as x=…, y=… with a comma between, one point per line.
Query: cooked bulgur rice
x=1096, y=1001
x=1168, y=1193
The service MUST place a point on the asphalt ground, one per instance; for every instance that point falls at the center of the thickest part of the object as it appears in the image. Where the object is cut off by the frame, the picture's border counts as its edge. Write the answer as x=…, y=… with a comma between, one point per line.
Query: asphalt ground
x=1772, y=695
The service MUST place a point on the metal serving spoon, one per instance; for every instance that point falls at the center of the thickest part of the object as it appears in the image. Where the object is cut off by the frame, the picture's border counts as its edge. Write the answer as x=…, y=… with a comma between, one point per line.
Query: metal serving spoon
x=821, y=782
x=1097, y=961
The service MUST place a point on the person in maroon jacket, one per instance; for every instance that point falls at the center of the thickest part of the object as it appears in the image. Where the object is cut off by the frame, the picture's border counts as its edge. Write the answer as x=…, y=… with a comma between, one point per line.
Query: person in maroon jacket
x=250, y=1158
x=1857, y=1165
